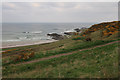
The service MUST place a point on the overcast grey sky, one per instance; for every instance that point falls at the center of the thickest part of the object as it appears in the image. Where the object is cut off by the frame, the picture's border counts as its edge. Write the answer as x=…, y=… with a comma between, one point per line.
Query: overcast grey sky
x=59, y=12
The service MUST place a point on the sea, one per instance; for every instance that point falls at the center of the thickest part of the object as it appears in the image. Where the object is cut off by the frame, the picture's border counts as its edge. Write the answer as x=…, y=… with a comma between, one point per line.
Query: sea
x=34, y=32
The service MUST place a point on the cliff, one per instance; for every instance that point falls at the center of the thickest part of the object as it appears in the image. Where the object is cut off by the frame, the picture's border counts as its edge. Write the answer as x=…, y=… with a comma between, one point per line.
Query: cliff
x=108, y=28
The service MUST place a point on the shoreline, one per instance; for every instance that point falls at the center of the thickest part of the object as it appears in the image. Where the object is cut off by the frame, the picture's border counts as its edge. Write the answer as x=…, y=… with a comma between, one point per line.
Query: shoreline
x=6, y=45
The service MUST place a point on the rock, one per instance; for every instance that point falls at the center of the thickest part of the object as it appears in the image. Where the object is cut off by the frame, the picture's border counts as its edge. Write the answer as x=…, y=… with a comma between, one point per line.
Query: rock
x=73, y=32
x=77, y=30
x=56, y=36
x=69, y=33
x=25, y=32
x=83, y=28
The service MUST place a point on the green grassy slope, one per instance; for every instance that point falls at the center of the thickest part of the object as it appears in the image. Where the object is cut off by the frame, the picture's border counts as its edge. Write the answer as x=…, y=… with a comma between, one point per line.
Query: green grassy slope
x=66, y=49
x=100, y=62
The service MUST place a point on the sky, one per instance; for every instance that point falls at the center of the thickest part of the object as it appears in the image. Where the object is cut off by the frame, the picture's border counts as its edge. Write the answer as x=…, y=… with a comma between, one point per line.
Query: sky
x=51, y=12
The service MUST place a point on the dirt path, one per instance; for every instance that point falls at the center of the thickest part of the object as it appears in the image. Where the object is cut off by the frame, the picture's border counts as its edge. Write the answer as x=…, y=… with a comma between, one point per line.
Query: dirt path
x=59, y=55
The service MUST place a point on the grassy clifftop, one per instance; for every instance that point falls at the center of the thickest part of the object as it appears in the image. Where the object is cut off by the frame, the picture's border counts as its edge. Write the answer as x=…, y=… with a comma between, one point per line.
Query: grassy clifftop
x=108, y=28
x=82, y=62
x=96, y=63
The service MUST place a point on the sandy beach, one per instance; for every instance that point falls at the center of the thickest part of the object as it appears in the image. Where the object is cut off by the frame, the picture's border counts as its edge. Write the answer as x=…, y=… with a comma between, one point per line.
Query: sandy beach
x=24, y=43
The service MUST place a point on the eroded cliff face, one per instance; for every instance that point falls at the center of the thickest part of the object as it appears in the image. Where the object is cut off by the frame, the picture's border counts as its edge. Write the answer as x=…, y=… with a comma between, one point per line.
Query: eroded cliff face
x=108, y=28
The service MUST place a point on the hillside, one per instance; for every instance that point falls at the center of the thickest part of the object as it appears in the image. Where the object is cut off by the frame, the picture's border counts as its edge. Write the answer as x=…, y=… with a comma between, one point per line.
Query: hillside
x=74, y=57
x=97, y=63
x=107, y=28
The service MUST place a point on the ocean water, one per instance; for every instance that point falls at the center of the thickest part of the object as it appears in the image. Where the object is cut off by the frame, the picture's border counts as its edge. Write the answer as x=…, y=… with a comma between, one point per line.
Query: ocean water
x=13, y=32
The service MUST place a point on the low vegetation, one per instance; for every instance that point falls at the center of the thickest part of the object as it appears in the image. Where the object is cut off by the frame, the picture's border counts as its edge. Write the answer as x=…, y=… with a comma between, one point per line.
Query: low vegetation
x=107, y=28
x=100, y=62
x=97, y=63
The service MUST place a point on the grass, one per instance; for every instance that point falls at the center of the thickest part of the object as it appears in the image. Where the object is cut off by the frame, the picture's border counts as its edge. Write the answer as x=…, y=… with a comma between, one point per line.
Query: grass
x=100, y=62
x=97, y=63
x=67, y=49
x=78, y=38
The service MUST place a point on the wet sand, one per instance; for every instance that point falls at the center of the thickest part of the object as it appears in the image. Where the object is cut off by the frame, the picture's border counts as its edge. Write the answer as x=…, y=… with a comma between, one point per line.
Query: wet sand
x=24, y=43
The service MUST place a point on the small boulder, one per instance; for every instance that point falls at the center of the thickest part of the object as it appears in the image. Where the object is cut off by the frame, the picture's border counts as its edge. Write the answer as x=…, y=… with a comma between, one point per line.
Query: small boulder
x=77, y=30
x=69, y=33
x=56, y=36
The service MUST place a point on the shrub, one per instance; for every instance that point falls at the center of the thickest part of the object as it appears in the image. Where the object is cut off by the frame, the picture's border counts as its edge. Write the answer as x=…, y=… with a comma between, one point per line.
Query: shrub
x=24, y=56
x=78, y=38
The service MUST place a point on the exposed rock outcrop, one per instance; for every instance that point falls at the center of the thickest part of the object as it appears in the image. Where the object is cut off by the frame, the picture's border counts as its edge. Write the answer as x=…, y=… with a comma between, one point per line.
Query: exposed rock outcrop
x=25, y=32
x=69, y=33
x=77, y=30
x=74, y=32
x=56, y=36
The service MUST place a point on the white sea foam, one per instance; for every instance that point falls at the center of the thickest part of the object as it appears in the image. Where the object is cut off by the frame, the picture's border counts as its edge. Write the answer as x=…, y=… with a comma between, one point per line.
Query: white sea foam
x=52, y=32
x=36, y=32
x=12, y=40
x=36, y=38
x=71, y=30
x=21, y=38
